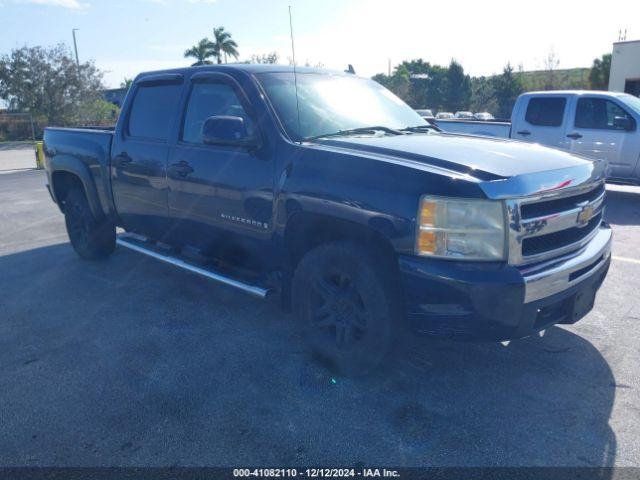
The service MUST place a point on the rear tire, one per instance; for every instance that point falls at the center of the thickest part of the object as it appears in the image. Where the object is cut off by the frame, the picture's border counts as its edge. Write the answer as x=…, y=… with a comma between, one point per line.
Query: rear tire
x=90, y=238
x=347, y=306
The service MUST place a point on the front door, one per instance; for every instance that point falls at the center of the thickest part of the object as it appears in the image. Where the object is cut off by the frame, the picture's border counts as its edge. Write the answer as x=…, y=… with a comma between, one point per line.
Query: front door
x=220, y=197
x=595, y=135
x=139, y=157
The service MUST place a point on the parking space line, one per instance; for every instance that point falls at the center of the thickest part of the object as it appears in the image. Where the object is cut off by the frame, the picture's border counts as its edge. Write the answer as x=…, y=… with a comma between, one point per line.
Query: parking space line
x=625, y=259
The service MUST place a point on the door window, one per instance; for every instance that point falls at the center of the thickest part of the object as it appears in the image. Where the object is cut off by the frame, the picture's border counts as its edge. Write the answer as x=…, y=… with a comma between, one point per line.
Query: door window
x=598, y=113
x=546, y=112
x=208, y=100
x=153, y=110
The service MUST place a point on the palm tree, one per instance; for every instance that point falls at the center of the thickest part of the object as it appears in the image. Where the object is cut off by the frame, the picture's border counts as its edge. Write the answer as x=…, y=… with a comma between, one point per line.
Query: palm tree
x=201, y=52
x=223, y=45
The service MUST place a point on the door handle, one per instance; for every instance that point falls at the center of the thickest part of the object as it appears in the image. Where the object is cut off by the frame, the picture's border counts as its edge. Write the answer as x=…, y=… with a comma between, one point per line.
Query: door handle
x=524, y=132
x=575, y=136
x=123, y=159
x=182, y=168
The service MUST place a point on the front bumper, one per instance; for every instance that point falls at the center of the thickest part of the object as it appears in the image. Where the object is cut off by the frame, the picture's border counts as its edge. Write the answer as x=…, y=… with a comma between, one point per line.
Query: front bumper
x=499, y=301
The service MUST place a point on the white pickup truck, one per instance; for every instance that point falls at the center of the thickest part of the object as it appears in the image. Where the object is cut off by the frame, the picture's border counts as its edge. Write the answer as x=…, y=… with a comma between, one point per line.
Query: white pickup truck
x=600, y=125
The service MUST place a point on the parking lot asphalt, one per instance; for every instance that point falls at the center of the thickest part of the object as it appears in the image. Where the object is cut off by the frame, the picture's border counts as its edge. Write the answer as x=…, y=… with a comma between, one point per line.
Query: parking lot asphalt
x=16, y=156
x=132, y=362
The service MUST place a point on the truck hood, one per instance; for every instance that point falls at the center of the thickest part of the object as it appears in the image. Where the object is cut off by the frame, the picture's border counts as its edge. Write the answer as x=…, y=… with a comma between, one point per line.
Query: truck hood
x=482, y=158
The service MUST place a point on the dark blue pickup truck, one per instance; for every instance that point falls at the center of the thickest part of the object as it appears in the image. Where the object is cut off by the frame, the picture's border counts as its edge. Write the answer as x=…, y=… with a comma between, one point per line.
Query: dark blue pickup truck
x=328, y=190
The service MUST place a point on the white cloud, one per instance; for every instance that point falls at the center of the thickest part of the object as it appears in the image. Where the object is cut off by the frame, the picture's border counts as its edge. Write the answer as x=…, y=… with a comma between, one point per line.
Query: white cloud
x=71, y=4
x=202, y=1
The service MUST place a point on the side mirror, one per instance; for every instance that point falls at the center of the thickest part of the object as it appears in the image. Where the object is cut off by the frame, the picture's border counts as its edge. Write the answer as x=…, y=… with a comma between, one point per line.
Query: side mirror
x=622, y=123
x=228, y=131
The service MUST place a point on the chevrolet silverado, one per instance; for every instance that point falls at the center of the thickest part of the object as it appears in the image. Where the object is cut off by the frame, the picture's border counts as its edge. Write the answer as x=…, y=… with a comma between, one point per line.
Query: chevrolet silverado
x=328, y=190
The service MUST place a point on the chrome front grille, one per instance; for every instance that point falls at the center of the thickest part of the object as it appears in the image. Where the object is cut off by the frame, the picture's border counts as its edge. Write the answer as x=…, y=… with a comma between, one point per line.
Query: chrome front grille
x=554, y=224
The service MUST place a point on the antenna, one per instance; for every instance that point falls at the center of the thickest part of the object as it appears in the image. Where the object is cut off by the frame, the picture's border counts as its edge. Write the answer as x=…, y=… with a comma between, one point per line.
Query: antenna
x=75, y=45
x=295, y=76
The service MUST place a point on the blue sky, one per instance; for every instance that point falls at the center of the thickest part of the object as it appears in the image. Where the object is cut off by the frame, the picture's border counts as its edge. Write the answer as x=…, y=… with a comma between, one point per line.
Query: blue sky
x=125, y=37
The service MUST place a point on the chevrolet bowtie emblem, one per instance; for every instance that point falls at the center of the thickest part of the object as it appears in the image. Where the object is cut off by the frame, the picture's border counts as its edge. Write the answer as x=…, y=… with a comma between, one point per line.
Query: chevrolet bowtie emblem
x=585, y=215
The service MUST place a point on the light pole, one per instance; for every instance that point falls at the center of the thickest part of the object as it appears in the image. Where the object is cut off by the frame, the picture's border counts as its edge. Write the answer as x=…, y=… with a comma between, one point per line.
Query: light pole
x=75, y=45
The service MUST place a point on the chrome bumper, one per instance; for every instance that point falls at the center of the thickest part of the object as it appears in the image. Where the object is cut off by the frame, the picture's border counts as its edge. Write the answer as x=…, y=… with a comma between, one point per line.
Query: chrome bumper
x=555, y=276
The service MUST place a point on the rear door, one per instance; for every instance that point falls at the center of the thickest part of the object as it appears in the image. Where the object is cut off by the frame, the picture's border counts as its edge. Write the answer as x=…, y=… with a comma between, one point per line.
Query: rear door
x=220, y=197
x=594, y=134
x=543, y=121
x=139, y=155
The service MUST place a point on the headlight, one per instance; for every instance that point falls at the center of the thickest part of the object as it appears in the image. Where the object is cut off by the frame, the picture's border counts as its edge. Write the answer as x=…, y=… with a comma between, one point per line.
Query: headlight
x=464, y=229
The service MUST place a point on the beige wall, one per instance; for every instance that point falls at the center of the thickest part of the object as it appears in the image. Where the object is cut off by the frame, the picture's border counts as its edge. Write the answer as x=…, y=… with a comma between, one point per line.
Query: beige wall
x=625, y=64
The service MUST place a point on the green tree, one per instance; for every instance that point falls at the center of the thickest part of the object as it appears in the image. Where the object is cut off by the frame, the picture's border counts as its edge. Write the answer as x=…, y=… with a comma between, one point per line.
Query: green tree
x=419, y=79
x=48, y=83
x=97, y=111
x=202, y=51
x=382, y=79
x=483, y=95
x=417, y=82
x=457, y=91
x=126, y=83
x=417, y=66
x=223, y=45
x=599, y=74
x=507, y=87
x=435, y=92
x=399, y=83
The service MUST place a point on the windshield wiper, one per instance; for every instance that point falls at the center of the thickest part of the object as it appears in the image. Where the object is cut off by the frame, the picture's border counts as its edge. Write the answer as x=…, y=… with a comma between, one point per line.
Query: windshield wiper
x=355, y=131
x=421, y=128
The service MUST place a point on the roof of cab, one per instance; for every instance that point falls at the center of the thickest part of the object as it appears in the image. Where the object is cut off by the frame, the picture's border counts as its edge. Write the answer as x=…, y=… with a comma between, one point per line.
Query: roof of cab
x=242, y=67
x=576, y=93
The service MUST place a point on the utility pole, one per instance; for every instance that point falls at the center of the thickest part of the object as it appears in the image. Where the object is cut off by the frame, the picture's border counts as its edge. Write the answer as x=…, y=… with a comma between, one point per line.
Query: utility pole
x=75, y=45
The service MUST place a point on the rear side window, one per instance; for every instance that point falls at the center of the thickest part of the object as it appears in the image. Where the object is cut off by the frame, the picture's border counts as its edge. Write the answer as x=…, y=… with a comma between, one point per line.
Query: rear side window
x=598, y=113
x=546, y=112
x=153, y=110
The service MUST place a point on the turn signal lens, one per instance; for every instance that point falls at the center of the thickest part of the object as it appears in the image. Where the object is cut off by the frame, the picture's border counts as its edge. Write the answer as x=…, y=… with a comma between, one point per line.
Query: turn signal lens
x=427, y=242
x=428, y=213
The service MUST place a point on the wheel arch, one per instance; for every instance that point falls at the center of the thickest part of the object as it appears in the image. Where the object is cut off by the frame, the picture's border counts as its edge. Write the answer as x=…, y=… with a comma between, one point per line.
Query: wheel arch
x=67, y=173
x=305, y=231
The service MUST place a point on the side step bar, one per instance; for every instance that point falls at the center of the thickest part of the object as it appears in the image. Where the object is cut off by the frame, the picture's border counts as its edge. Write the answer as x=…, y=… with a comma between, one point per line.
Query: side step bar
x=130, y=243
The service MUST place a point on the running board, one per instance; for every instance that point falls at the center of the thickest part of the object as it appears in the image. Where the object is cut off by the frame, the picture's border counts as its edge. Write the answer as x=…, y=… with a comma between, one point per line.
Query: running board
x=130, y=243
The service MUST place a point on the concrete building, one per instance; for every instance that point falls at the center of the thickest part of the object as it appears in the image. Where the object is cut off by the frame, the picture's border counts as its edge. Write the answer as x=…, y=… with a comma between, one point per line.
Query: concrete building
x=625, y=68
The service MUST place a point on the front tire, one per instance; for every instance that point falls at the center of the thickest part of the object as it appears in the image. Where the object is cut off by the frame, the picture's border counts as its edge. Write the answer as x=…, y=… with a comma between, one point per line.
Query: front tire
x=91, y=239
x=347, y=306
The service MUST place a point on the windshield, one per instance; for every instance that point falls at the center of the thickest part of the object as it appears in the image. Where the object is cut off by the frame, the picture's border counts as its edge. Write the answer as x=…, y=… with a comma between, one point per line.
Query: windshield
x=633, y=102
x=332, y=103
